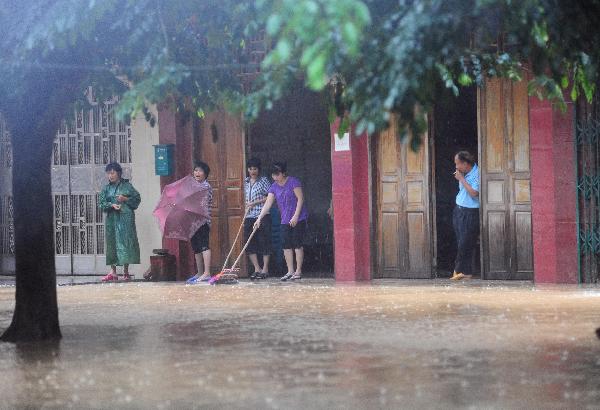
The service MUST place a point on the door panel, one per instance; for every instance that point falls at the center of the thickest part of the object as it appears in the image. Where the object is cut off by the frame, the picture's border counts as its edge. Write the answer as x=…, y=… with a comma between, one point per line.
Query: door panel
x=496, y=222
x=220, y=144
x=416, y=241
x=390, y=244
x=402, y=208
x=523, y=244
x=505, y=180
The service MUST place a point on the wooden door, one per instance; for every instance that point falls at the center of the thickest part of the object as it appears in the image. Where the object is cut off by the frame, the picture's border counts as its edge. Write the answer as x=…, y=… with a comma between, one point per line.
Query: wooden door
x=506, y=237
x=403, y=228
x=220, y=143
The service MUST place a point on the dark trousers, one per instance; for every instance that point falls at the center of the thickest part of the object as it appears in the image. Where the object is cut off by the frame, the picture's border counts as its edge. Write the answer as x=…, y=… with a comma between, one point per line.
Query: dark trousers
x=466, y=229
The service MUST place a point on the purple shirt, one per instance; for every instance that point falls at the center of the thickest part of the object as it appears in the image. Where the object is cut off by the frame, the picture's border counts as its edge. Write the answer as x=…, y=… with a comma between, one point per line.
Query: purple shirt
x=287, y=201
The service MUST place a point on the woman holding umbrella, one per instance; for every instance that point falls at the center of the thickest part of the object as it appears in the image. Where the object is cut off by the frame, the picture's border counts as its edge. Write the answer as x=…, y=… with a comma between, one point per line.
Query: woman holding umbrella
x=183, y=213
x=200, y=240
x=119, y=199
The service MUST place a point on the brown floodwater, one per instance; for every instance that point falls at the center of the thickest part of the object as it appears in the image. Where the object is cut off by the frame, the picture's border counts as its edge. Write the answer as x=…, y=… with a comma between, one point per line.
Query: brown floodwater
x=314, y=345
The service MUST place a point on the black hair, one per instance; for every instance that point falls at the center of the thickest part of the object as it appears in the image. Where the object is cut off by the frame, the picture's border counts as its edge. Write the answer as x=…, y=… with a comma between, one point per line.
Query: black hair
x=114, y=166
x=279, y=168
x=253, y=163
x=204, y=166
x=466, y=156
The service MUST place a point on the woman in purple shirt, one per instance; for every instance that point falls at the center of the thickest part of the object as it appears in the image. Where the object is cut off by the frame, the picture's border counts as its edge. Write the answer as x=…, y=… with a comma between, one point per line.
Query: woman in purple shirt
x=287, y=191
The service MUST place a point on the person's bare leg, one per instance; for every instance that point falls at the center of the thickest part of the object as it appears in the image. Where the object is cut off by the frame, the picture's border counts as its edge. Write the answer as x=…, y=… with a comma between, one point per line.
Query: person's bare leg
x=199, y=264
x=299, y=261
x=206, y=256
x=113, y=269
x=126, y=271
x=289, y=259
x=266, y=259
x=254, y=260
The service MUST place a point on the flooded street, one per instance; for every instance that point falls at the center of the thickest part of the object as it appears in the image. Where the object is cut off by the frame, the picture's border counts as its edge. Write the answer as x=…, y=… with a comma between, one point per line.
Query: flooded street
x=314, y=345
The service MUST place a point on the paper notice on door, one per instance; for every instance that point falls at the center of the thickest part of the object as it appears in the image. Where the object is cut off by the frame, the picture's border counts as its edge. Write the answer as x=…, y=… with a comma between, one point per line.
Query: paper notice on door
x=343, y=143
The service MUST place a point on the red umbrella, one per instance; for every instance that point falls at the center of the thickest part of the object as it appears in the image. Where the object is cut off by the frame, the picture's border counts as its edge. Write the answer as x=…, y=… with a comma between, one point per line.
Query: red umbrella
x=183, y=208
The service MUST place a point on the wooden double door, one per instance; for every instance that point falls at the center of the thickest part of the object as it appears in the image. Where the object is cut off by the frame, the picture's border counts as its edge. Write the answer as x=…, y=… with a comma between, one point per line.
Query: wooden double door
x=403, y=218
x=404, y=193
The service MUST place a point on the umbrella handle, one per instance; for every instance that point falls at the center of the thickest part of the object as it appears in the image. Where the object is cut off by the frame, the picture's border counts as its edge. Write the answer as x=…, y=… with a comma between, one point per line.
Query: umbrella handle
x=236, y=239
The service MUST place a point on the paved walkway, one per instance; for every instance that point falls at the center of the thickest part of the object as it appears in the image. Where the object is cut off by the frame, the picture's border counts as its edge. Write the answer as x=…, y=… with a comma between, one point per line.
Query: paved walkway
x=66, y=280
x=314, y=345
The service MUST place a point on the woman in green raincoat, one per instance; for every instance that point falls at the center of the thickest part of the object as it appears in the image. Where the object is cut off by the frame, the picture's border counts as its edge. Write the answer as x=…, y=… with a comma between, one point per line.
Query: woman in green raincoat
x=118, y=200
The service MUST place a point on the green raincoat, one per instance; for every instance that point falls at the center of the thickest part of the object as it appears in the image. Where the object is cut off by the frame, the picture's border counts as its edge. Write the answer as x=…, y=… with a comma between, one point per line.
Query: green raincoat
x=122, y=245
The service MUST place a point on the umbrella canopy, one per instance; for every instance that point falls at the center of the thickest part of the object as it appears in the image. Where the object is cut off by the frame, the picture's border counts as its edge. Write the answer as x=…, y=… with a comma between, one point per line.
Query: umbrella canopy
x=184, y=207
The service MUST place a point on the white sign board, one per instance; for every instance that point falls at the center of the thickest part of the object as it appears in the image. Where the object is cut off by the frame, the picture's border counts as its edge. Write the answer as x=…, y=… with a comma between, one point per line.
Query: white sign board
x=342, y=144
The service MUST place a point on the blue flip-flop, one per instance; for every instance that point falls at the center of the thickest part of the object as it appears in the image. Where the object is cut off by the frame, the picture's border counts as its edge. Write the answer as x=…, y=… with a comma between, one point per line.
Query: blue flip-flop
x=192, y=281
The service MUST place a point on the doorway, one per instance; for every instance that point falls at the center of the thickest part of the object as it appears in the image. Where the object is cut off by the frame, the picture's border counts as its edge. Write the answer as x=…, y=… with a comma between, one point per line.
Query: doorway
x=414, y=192
x=454, y=129
x=296, y=131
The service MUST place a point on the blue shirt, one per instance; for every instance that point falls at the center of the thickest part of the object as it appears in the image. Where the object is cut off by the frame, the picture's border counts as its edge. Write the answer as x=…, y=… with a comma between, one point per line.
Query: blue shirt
x=463, y=198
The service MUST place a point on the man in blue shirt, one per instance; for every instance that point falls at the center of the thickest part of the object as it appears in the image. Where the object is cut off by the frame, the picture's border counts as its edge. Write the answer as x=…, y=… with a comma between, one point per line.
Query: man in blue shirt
x=466, y=213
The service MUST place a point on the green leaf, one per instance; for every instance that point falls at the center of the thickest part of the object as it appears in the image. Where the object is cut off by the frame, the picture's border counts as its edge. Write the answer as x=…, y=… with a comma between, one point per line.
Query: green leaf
x=309, y=54
x=351, y=36
x=465, y=79
x=283, y=50
x=589, y=92
x=540, y=34
x=311, y=7
x=331, y=114
x=316, y=72
x=273, y=24
x=574, y=94
x=564, y=82
x=362, y=12
x=344, y=126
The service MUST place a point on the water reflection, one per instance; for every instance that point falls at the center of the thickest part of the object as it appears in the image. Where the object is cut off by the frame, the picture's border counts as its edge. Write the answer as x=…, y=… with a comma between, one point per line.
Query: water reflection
x=311, y=345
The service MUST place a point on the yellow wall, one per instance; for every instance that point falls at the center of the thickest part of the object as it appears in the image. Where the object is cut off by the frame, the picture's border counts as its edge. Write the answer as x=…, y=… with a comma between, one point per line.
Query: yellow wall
x=142, y=176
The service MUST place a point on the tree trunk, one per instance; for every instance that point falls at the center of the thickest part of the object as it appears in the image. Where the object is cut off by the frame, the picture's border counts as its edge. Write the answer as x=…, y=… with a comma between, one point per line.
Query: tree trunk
x=32, y=121
x=36, y=310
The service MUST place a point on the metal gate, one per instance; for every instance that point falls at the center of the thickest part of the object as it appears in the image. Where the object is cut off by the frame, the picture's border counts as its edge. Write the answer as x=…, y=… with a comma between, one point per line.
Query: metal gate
x=82, y=148
x=588, y=190
x=7, y=238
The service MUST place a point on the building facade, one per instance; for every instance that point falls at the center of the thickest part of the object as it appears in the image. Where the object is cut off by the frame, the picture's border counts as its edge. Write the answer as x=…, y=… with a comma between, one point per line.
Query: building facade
x=392, y=206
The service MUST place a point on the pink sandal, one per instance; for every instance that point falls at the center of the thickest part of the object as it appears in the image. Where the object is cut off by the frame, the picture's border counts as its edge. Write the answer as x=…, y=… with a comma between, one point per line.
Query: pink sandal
x=111, y=277
x=127, y=277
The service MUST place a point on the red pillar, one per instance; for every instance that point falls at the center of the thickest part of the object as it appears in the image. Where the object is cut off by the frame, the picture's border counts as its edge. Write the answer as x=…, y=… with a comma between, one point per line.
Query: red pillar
x=553, y=193
x=351, y=207
x=171, y=130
